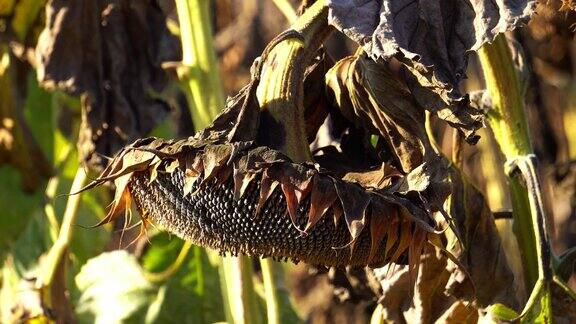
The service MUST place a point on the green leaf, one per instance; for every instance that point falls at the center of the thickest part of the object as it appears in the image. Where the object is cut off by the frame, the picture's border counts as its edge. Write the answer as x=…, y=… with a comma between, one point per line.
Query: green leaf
x=191, y=294
x=539, y=306
x=550, y=301
x=502, y=312
x=18, y=207
x=39, y=112
x=113, y=289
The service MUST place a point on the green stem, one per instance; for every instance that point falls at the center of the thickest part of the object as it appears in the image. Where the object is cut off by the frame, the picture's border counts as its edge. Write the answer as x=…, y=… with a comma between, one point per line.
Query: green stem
x=280, y=91
x=430, y=133
x=200, y=68
x=60, y=248
x=508, y=121
x=205, y=97
x=240, y=289
x=50, y=193
x=164, y=275
x=269, y=272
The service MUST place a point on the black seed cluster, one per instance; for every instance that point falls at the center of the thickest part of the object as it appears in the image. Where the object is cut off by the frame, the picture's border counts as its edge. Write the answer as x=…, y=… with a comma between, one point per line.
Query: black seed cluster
x=211, y=217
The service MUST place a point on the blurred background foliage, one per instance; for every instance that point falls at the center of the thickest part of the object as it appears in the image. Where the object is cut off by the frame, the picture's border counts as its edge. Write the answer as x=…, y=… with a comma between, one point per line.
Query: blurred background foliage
x=136, y=70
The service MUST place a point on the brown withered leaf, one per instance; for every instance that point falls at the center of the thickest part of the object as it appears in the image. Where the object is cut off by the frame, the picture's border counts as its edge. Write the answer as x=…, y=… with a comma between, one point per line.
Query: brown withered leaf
x=316, y=105
x=432, y=39
x=380, y=222
x=267, y=187
x=371, y=96
x=214, y=158
x=322, y=197
x=354, y=203
x=380, y=178
x=443, y=290
x=114, y=60
x=424, y=302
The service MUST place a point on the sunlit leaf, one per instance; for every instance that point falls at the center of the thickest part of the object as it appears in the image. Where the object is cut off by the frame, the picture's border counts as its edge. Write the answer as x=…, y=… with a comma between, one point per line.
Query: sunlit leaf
x=192, y=294
x=114, y=288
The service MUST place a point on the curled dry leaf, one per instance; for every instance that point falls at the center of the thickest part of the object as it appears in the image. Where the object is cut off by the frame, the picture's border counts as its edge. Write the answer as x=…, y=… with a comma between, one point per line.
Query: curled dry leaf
x=432, y=39
x=115, y=60
x=371, y=96
x=444, y=291
x=368, y=94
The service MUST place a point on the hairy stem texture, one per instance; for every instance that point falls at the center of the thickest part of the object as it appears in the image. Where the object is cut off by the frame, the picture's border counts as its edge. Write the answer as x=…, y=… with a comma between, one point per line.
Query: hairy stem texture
x=511, y=132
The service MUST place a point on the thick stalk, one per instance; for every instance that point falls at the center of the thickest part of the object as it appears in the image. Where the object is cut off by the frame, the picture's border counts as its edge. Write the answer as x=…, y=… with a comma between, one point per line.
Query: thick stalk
x=200, y=68
x=269, y=271
x=240, y=289
x=508, y=121
x=206, y=98
x=280, y=92
x=498, y=199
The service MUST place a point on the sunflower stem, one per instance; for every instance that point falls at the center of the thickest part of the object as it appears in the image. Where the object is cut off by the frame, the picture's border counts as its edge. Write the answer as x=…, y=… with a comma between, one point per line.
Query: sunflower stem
x=199, y=72
x=281, y=92
x=200, y=76
x=59, y=250
x=508, y=121
x=269, y=272
x=240, y=289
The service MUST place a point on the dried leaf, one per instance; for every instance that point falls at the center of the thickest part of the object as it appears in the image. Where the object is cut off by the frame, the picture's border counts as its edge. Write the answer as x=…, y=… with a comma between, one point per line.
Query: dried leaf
x=380, y=223
x=188, y=184
x=245, y=128
x=391, y=236
x=172, y=166
x=403, y=241
x=292, y=204
x=381, y=178
x=432, y=39
x=415, y=252
x=441, y=286
x=121, y=202
x=115, y=60
x=214, y=158
x=241, y=182
x=354, y=203
x=370, y=96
